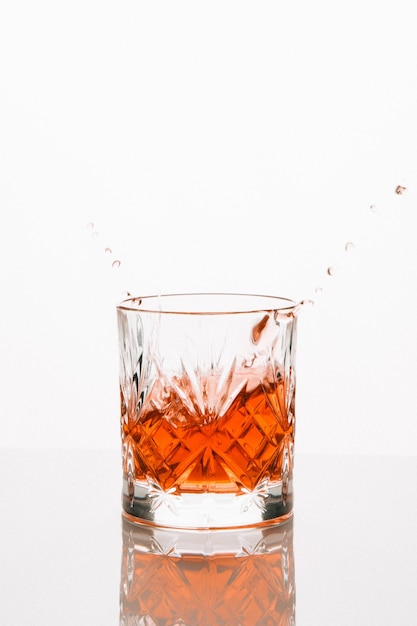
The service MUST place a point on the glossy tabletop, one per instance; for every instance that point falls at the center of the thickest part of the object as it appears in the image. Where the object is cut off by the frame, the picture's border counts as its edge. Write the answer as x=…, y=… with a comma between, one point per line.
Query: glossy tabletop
x=66, y=558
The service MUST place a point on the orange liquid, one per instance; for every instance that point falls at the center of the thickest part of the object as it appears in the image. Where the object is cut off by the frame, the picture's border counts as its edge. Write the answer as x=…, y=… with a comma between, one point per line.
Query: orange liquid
x=187, y=452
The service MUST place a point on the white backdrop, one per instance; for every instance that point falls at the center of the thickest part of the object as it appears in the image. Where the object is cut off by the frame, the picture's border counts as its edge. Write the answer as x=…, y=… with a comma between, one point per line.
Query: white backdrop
x=215, y=146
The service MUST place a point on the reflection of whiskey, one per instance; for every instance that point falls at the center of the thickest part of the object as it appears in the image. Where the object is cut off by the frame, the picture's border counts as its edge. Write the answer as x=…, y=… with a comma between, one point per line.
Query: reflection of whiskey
x=174, y=445
x=162, y=585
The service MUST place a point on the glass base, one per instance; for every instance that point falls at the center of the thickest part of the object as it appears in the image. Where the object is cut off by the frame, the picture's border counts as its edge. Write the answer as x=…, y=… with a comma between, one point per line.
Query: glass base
x=267, y=504
x=178, y=542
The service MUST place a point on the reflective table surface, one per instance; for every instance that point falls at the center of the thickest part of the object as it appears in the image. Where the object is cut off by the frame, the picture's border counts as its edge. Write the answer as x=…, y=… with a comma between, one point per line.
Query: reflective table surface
x=348, y=556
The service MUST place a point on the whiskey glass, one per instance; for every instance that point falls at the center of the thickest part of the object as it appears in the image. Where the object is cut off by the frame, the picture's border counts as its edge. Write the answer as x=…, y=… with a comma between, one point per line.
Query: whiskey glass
x=207, y=395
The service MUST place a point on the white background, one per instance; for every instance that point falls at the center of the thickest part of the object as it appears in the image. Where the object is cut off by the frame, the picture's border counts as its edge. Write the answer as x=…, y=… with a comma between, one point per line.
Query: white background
x=215, y=146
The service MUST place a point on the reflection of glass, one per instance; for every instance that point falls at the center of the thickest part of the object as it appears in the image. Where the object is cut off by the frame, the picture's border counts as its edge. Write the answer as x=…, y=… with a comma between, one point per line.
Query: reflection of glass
x=207, y=388
x=207, y=578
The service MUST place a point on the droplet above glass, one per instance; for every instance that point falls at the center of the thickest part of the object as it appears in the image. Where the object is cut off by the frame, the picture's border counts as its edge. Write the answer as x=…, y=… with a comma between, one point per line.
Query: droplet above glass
x=108, y=250
x=318, y=290
x=373, y=208
x=90, y=226
x=400, y=190
x=349, y=246
x=330, y=271
x=116, y=264
x=94, y=234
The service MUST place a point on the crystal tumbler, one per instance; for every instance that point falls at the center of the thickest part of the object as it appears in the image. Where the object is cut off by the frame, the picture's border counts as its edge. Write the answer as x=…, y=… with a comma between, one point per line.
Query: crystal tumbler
x=207, y=393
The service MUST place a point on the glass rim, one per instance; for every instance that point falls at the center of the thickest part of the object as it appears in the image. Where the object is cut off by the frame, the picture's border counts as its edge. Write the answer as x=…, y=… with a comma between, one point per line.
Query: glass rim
x=249, y=303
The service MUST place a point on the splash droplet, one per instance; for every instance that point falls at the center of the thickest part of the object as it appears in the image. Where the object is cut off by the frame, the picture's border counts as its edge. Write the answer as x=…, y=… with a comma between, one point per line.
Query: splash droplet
x=258, y=329
x=400, y=190
x=108, y=250
x=116, y=264
x=330, y=271
x=90, y=226
x=349, y=246
x=126, y=294
x=318, y=290
x=301, y=306
x=373, y=208
x=94, y=234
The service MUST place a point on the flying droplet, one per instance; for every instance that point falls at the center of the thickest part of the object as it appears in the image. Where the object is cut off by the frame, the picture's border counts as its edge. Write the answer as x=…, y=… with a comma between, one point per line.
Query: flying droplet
x=126, y=294
x=373, y=208
x=400, y=190
x=318, y=290
x=108, y=250
x=94, y=234
x=349, y=246
x=330, y=271
x=90, y=226
x=116, y=264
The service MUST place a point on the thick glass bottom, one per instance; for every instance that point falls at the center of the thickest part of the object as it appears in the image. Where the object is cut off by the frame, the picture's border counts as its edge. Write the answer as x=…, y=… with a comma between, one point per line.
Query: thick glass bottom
x=267, y=504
